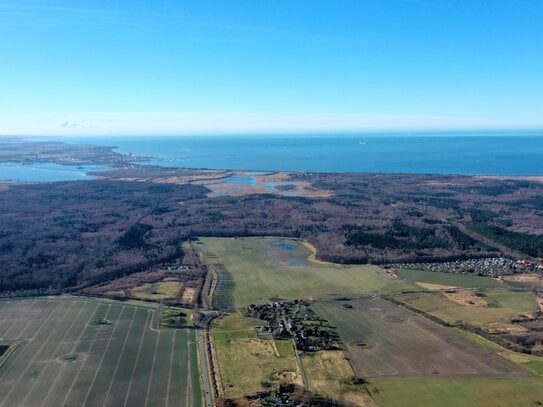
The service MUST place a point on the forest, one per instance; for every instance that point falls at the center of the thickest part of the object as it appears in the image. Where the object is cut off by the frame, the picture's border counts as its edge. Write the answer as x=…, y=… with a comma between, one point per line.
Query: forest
x=66, y=236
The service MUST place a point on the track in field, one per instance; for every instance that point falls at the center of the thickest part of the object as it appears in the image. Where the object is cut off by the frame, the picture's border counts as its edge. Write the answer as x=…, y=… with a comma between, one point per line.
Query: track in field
x=384, y=340
x=65, y=358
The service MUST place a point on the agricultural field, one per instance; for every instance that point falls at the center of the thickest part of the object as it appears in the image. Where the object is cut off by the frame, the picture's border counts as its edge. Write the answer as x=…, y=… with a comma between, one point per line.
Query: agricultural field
x=530, y=281
x=529, y=361
x=255, y=269
x=246, y=359
x=163, y=290
x=500, y=307
x=330, y=375
x=79, y=351
x=465, y=392
x=384, y=340
x=436, y=278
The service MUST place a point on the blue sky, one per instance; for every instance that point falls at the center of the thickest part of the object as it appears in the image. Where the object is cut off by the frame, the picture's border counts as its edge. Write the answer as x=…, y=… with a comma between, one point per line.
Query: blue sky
x=123, y=67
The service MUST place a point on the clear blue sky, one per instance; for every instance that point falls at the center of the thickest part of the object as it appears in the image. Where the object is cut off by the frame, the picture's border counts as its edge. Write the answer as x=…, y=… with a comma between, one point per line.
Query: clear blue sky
x=122, y=66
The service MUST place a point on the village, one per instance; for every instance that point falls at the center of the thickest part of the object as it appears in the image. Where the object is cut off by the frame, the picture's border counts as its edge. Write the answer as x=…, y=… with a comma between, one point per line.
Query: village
x=488, y=266
x=296, y=320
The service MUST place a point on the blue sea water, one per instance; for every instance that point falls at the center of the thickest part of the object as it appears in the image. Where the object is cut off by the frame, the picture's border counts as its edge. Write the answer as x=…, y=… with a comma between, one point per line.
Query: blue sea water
x=492, y=153
x=509, y=153
x=44, y=172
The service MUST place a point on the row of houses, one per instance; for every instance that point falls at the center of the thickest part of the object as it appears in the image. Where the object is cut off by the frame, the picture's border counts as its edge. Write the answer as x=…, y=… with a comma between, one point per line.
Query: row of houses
x=487, y=266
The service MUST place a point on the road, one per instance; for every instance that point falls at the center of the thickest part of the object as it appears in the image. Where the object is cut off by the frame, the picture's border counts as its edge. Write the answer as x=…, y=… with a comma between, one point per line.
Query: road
x=204, y=361
x=298, y=359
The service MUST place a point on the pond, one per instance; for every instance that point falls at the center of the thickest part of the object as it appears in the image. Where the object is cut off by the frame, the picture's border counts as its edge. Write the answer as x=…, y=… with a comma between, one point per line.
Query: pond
x=240, y=180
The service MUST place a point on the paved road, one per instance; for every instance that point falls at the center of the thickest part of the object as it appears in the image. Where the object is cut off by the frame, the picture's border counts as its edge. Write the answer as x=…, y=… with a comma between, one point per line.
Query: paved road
x=205, y=368
x=204, y=363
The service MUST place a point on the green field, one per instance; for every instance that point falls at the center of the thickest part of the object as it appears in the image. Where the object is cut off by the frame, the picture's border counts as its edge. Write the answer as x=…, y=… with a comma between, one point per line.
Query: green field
x=465, y=392
x=502, y=306
x=246, y=359
x=74, y=352
x=451, y=279
x=259, y=268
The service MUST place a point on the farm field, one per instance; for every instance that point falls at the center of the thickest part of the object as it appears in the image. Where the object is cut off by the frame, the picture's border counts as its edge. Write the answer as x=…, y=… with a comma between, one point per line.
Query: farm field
x=465, y=392
x=448, y=279
x=330, y=375
x=529, y=361
x=526, y=281
x=246, y=359
x=79, y=351
x=501, y=307
x=384, y=340
x=164, y=290
x=255, y=269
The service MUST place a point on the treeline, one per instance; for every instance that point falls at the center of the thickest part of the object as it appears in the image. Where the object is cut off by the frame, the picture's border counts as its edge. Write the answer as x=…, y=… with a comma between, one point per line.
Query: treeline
x=464, y=241
x=529, y=244
x=135, y=237
x=398, y=236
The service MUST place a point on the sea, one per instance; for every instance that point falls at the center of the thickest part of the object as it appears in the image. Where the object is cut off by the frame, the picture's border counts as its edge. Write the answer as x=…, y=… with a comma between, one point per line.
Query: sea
x=492, y=153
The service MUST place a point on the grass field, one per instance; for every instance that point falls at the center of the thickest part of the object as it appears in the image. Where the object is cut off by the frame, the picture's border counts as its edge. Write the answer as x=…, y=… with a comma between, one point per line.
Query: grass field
x=502, y=306
x=261, y=268
x=330, y=375
x=245, y=359
x=164, y=290
x=75, y=352
x=465, y=392
x=449, y=279
x=382, y=339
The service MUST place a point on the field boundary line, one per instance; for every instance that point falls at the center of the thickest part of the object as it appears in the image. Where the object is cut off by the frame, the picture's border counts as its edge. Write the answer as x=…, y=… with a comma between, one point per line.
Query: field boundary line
x=12, y=358
x=14, y=322
x=170, y=369
x=70, y=327
x=152, y=370
x=63, y=367
x=120, y=356
x=127, y=394
x=111, y=336
x=189, y=374
x=67, y=396
x=7, y=395
x=18, y=337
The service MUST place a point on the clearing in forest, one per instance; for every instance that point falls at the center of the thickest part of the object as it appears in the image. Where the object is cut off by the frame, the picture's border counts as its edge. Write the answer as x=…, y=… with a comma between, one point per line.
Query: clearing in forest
x=255, y=269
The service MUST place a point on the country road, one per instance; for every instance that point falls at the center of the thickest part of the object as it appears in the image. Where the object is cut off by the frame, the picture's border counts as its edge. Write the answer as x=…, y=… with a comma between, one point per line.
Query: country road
x=202, y=352
x=204, y=359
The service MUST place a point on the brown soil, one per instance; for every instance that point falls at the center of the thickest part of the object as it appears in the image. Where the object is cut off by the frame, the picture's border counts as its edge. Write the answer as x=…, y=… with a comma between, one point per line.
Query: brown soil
x=466, y=298
x=525, y=278
x=433, y=287
x=188, y=295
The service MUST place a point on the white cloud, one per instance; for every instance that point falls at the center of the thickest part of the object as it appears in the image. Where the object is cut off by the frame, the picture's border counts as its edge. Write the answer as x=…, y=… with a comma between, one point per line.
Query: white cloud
x=69, y=124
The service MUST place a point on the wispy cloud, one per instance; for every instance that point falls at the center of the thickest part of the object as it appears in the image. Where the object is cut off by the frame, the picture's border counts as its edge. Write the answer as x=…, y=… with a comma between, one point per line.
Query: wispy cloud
x=75, y=125
x=156, y=123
